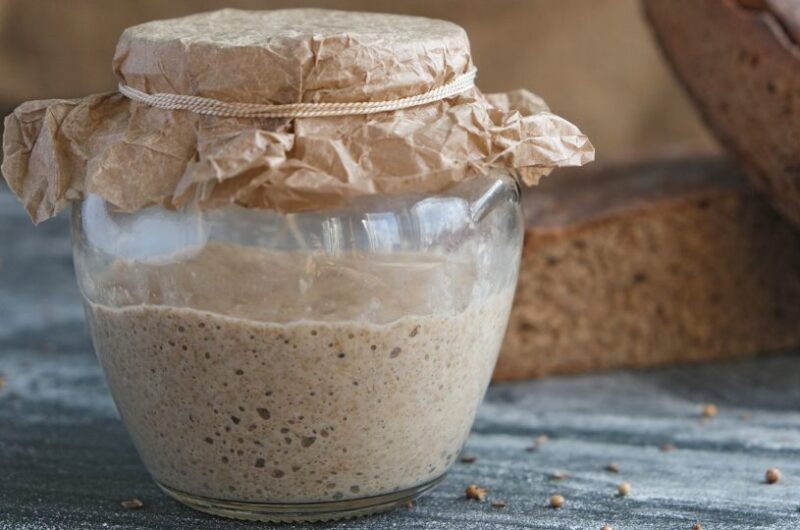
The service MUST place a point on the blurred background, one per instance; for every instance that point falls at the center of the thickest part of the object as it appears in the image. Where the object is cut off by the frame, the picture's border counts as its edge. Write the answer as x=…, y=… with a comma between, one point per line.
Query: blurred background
x=594, y=61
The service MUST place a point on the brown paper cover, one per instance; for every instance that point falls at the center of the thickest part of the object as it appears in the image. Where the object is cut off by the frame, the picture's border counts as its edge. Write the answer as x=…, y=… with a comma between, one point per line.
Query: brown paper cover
x=134, y=156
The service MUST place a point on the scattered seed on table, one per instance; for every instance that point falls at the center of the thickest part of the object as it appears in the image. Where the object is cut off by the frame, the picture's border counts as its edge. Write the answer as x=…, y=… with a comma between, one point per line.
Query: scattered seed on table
x=537, y=443
x=710, y=410
x=556, y=501
x=468, y=459
x=499, y=504
x=624, y=489
x=773, y=475
x=612, y=467
x=132, y=504
x=475, y=493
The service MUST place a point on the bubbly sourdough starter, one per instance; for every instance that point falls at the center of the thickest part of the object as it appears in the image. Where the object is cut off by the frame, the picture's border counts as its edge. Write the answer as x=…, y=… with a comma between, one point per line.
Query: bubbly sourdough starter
x=301, y=411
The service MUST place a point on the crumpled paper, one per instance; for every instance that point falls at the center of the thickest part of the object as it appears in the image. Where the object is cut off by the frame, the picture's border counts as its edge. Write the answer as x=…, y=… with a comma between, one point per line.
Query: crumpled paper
x=134, y=156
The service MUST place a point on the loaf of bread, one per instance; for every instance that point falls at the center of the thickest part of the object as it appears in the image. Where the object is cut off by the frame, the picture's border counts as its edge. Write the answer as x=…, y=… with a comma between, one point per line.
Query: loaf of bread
x=740, y=62
x=647, y=264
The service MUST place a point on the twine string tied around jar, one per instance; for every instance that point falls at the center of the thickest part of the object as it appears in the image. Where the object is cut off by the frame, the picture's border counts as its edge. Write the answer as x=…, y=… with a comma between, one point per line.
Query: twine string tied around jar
x=214, y=107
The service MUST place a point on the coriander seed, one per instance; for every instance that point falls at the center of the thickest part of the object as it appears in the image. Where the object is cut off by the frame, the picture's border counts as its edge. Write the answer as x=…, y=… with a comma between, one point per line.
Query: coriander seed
x=624, y=489
x=773, y=475
x=132, y=504
x=475, y=493
x=710, y=410
x=557, y=501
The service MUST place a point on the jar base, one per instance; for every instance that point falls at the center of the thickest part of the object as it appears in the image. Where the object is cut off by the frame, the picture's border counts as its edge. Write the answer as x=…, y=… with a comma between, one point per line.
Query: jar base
x=301, y=512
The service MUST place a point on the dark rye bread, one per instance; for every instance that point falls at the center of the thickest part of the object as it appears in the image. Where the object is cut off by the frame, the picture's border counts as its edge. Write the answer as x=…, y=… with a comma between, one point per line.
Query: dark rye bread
x=647, y=264
x=739, y=60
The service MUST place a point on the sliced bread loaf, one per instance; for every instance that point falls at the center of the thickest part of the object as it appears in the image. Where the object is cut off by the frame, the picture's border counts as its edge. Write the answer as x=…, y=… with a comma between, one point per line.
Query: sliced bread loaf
x=740, y=62
x=647, y=264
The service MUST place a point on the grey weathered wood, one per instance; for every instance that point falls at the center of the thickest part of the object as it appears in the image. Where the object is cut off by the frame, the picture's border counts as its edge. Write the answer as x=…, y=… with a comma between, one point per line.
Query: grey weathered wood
x=66, y=462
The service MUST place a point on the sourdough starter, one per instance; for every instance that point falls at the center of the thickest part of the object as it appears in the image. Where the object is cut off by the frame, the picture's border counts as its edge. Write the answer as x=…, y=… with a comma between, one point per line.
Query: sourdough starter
x=244, y=408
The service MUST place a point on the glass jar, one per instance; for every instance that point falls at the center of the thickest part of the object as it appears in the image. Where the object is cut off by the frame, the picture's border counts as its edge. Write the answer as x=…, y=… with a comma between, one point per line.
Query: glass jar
x=303, y=366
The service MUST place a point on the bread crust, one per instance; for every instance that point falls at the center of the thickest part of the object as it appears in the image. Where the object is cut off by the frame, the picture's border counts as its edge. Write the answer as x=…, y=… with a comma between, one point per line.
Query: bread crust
x=740, y=63
x=702, y=270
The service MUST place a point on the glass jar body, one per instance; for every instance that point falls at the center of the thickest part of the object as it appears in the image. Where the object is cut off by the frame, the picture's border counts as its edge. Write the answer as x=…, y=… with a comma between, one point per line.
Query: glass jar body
x=303, y=366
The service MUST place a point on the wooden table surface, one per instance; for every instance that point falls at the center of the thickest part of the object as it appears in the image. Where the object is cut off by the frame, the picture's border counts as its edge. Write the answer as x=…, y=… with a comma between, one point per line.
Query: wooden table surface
x=66, y=461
